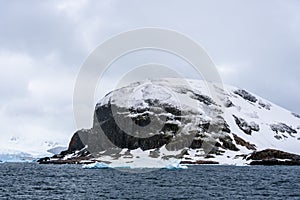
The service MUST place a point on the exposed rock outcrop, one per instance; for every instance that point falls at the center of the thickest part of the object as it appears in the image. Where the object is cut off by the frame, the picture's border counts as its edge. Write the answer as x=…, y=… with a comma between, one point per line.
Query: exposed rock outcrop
x=240, y=141
x=199, y=162
x=245, y=126
x=264, y=105
x=282, y=128
x=273, y=157
x=246, y=95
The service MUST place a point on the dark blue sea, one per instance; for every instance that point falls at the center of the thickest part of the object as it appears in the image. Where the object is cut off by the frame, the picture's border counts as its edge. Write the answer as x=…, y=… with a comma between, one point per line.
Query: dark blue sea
x=33, y=181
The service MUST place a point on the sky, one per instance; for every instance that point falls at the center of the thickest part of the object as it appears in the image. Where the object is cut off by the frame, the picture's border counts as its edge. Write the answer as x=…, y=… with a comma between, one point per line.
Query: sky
x=43, y=44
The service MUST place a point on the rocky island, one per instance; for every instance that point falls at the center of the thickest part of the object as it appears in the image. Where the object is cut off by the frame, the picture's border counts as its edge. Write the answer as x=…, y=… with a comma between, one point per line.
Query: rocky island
x=170, y=119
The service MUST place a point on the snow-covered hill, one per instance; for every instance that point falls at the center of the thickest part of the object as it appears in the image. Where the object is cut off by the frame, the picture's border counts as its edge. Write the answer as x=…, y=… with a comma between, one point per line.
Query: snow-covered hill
x=190, y=120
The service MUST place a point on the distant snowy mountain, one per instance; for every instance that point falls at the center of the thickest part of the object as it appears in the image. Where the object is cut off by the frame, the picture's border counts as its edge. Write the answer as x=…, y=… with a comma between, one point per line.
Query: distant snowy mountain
x=9, y=155
x=194, y=121
x=17, y=149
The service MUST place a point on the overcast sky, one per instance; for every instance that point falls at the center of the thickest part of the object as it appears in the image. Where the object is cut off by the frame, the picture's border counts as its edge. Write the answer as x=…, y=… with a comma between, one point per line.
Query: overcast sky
x=255, y=45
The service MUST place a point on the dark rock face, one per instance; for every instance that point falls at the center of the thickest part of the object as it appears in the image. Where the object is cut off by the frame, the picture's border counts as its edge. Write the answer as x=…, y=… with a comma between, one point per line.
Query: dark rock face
x=119, y=138
x=245, y=126
x=228, y=103
x=202, y=98
x=197, y=143
x=164, y=132
x=266, y=106
x=273, y=157
x=106, y=133
x=282, y=128
x=278, y=137
x=240, y=141
x=216, y=125
x=228, y=143
x=76, y=141
x=82, y=139
x=246, y=95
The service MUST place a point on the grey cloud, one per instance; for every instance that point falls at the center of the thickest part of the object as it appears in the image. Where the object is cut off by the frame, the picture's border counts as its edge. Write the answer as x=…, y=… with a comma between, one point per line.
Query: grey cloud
x=257, y=42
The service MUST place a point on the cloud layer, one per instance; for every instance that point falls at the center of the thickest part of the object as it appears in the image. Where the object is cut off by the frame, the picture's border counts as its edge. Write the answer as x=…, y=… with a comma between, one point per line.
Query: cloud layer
x=255, y=45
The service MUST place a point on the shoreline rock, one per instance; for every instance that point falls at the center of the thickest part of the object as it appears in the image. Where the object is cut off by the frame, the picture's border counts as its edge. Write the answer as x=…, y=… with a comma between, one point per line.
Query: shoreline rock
x=273, y=157
x=199, y=162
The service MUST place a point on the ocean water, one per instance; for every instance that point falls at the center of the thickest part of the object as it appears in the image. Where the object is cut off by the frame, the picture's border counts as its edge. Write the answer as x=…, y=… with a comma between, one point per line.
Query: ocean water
x=33, y=181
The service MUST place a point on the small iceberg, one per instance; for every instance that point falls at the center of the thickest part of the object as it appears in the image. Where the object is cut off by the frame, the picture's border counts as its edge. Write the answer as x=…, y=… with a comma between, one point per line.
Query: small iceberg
x=96, y=165
x=101, y=165
x=175, y=166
